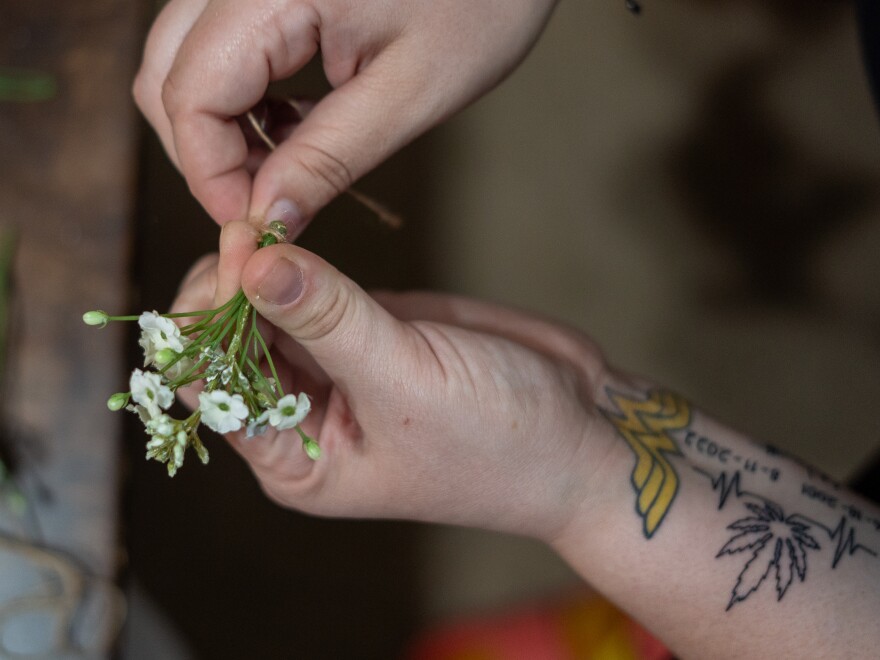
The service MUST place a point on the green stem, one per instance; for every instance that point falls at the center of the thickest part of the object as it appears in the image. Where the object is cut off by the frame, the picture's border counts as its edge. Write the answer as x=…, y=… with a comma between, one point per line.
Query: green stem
x=272, y=237
x=133, y=317
x=193, y=374
x=242, y=316
x=250, y=337
x=270, y=390
x=271, y=365
x=223, y=332
x=229, y=308
x=206, y=312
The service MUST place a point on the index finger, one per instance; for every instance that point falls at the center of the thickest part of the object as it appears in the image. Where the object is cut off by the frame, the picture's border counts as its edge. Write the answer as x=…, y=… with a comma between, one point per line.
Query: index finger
x=222, y=70
x=163, y=42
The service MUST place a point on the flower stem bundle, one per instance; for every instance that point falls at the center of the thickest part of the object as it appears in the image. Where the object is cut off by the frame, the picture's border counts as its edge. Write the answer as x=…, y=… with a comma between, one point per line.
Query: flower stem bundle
x=223, y=348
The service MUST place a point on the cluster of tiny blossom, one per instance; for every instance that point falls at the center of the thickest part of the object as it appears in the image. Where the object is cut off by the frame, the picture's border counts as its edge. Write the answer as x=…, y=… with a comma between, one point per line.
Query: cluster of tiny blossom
x=223, y=349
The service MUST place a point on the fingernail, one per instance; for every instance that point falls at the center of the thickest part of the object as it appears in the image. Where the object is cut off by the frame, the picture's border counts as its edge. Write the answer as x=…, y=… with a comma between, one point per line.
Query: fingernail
x=283, y=284
x=287, y=212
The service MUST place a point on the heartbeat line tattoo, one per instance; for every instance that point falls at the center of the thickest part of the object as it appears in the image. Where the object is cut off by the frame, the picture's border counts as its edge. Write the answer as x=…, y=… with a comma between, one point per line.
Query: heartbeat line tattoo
x=845, y=536
x=775, y=543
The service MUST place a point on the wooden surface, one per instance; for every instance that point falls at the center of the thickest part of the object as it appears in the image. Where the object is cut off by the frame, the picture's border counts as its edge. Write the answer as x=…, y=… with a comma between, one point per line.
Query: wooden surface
x=66, y=185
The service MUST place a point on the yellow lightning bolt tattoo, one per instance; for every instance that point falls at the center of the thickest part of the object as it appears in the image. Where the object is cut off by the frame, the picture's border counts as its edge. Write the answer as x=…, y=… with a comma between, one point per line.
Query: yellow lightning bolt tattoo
x=645, y=425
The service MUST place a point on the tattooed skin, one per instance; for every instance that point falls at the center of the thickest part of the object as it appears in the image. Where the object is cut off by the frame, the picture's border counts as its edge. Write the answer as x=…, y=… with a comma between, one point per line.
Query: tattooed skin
x=777, y=545
x=646, y=425
x=773, y=545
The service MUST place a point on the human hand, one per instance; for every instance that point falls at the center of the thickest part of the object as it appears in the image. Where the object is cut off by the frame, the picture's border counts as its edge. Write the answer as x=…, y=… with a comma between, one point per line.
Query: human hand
x=426, y=406
x=398, y=68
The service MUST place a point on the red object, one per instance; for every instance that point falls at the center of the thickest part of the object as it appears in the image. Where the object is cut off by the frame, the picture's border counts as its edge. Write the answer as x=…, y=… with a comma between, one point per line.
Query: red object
x=587, y=628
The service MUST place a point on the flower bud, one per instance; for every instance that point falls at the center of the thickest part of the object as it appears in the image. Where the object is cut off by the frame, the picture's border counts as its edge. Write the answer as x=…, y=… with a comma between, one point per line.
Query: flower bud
x=202, y=451
x=165, y=356
x=96, y=317
x=313, y=451
x=118, y=401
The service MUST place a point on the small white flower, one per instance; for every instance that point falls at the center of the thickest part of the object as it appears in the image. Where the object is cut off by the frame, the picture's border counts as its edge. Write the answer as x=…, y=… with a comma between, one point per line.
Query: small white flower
x=179, y=446
x=290, y=411
x=155, y=443
x=221, y=411
x=201, y=450
x=148, y=390
x=141, y=412
x=157, y=333
x=160, y=426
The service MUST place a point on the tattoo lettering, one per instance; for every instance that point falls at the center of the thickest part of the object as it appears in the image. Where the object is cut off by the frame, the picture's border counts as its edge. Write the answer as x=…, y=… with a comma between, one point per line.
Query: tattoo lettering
x=820, y=496
x=726, y=456
x=835, y=503
x=646, y=426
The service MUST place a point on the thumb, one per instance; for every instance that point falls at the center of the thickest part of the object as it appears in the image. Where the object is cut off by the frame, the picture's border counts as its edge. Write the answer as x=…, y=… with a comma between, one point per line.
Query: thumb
x=349, y=334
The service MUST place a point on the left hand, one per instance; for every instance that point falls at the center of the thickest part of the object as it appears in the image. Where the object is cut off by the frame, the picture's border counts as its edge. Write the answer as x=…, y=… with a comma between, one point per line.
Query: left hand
x=426, y=406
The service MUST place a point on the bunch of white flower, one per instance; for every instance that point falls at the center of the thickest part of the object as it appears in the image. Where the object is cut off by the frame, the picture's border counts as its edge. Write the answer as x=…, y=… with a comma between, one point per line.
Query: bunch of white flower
x=224, y=349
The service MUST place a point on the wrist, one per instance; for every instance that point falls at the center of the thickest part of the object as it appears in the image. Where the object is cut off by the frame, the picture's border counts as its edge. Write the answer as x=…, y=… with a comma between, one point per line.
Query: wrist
x=591, y=479
x=604, y=472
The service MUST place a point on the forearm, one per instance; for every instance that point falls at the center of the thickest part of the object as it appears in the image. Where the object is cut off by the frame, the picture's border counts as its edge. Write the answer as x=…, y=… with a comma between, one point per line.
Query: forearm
x=724, y=548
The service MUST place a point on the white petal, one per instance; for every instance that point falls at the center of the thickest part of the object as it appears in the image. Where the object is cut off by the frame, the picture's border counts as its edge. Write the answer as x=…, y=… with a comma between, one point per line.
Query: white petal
x=281, y=416
x=160, y=332
x=148, y=390
x=213, y=415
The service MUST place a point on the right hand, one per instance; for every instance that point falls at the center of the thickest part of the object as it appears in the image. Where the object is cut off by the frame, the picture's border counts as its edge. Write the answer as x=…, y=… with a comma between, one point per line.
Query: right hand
x=398, y=68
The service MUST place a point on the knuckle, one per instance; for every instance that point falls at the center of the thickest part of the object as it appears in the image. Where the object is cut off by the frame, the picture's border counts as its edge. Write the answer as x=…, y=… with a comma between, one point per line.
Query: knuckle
x=580, y=354
x=171, y=95
x=329, y=314
x=323, y=167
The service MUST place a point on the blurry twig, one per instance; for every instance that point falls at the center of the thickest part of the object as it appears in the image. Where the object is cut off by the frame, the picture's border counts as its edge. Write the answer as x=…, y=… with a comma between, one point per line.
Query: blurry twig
x=383, y=213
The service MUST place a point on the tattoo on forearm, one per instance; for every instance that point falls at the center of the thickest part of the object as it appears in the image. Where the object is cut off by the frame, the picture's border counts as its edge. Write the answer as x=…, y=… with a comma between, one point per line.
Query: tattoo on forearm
x=646, y=426
x=774, y=544
x=726, y=456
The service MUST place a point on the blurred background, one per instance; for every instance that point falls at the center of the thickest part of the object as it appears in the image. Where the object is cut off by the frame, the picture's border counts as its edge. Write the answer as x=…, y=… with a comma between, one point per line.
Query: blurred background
x=696, y=187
